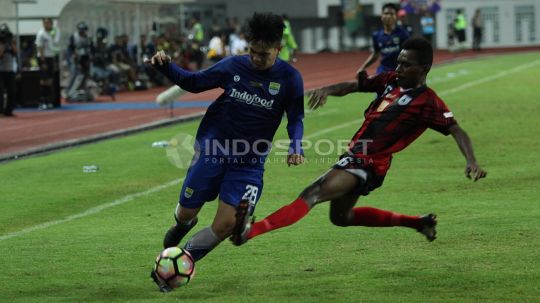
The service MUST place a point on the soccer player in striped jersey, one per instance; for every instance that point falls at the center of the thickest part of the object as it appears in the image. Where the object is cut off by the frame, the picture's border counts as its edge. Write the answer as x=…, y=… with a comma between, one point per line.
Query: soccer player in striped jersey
x=404, y=109
x=235, y=134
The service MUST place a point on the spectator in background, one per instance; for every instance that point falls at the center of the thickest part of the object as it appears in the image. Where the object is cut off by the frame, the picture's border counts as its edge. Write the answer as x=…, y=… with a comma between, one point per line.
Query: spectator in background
x=288, y=43
x=477, y=24
x=239, y=45
x=428, y=26
x=196, y=36
x=47, y=44
x=232, y=27
x=121, y=62
x=451, y=36
x=79, y=50
x=101, y=61
x=217, y=47
x=387, y=41
x=162, y=44
x=402, y=21
x=8, y=53
x=460, y=24
x=151, y=47
x=215, y=27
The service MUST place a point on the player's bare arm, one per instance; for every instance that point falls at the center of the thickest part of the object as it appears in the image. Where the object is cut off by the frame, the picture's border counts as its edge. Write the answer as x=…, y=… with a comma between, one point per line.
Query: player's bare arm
x=373, y=57
x=472, y=170
x=317, y=97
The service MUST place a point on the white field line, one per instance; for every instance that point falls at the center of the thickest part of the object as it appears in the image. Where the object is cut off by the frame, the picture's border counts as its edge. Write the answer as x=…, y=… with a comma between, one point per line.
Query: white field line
x=490, y=78
x=93, y=210
x=158, y=188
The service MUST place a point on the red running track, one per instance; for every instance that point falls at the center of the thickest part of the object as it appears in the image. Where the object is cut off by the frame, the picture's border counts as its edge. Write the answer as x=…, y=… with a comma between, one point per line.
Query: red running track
x=29, y=132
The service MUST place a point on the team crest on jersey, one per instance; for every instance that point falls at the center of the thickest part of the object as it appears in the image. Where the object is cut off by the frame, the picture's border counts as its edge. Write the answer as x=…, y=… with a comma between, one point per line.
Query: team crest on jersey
x=273, y=88
x=404, y=100
x=396, y=40
x=236, y=78
x=189, y=192
x=388, y=89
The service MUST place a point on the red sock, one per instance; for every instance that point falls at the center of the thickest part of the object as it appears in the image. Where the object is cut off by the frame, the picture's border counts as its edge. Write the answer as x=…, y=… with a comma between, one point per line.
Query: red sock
x=284, y=216
x=374, y=217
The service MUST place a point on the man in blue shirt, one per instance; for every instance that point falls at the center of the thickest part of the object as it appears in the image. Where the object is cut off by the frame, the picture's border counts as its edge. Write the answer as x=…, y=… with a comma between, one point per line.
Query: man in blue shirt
x=236, y=132
x=387, y=41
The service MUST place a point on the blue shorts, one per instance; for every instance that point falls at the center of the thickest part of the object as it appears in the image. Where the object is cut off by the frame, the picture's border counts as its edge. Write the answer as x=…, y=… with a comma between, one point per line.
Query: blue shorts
x=212, y=176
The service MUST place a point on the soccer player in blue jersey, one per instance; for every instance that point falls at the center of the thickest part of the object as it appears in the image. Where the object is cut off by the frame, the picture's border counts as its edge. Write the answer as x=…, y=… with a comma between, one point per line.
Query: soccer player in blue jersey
x=387, y=41
x=258, y=88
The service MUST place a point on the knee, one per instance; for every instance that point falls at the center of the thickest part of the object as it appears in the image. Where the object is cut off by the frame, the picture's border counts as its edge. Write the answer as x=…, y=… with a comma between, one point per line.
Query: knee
x=339, y=219
x=311, y=194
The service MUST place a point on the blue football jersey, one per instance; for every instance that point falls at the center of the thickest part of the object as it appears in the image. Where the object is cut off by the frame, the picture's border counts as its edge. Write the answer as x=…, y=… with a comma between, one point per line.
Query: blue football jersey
x=251, y=107
x=389, y=46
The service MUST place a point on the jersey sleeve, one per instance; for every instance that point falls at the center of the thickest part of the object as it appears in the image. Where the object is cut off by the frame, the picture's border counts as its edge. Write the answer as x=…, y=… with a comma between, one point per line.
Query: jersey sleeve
x=196, y=82
x=295, y=115
x=437, y=116
x=375, y=83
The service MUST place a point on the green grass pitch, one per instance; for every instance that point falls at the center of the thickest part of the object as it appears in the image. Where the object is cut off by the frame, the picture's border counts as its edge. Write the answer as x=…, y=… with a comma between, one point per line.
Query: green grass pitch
x=487, y=250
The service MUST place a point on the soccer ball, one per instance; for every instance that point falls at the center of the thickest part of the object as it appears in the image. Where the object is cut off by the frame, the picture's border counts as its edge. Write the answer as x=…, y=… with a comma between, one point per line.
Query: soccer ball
x=174, y=267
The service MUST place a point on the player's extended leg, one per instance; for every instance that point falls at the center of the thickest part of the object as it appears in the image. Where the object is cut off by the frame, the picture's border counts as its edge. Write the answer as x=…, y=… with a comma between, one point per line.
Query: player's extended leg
x=343, y=214
x=209, y=237
x=341, y=209
x=332, y=185
x=186, y=219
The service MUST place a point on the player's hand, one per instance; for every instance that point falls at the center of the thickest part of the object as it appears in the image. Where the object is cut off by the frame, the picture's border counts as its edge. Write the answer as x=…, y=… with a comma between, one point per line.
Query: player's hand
x=474, y=172
x=295, y=159
x=361, y=72
x=159, y=58
x=317, y=98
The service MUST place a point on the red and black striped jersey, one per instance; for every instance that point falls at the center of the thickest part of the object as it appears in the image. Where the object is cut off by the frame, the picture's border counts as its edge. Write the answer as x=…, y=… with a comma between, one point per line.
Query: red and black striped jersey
x=395, y=119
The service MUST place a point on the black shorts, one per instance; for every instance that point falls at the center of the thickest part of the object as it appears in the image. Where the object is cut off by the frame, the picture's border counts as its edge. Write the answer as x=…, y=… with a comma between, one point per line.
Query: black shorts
x=47, y=68
x=365, y=174
x=461, y=35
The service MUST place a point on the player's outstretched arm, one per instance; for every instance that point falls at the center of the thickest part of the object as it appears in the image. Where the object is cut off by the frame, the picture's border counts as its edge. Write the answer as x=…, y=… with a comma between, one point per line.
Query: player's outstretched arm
x=472, y=170
x=194, y=82
x=317, y=97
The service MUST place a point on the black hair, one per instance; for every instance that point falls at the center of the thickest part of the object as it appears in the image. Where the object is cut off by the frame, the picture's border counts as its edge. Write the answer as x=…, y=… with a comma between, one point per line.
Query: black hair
x=423, y=49
x=390, y=5
x=266, y=28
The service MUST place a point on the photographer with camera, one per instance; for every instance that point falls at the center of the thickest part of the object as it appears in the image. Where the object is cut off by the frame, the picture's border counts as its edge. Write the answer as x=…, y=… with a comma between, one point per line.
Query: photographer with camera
x=79, y=52
x=8, y=54
x=47, y=40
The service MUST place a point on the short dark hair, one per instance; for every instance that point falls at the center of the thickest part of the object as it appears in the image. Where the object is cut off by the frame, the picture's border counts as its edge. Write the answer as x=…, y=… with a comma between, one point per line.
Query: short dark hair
x=266, y=28
x=390, y=5
x=423, y=49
